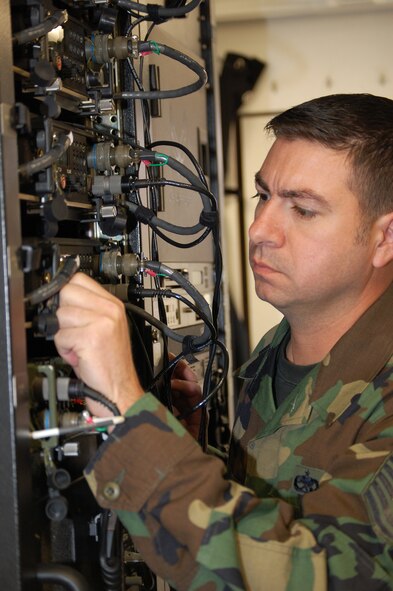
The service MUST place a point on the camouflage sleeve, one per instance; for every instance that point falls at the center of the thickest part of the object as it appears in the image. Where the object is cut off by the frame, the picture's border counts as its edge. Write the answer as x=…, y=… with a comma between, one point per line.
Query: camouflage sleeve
x=200, y=531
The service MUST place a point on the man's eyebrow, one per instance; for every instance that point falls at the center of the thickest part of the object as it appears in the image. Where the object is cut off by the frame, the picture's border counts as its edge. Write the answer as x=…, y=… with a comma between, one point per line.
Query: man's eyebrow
x=304, y=194
x=293, y=193
x=261, y=182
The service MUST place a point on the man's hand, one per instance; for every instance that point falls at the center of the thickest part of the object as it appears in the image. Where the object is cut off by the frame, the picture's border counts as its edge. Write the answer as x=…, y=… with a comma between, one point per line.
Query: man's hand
x=93, y=338
x=186, y=393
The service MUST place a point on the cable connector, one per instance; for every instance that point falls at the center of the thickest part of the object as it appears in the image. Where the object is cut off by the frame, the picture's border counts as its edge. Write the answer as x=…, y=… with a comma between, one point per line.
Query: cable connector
x=94, y=423
x=189, y=348
x=209, y=218
x=113, y=264
x=104, y=155
x=77, y=389
x=102, y=49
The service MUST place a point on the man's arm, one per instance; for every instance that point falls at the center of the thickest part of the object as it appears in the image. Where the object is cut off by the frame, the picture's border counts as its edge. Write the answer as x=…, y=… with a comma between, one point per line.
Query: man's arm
x=194, y=527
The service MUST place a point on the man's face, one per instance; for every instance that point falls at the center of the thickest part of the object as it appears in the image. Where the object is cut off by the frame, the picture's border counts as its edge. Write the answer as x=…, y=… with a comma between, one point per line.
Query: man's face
x=304, y=248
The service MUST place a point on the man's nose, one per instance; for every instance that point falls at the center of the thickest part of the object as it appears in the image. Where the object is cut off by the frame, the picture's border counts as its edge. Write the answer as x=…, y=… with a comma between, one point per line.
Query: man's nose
x=268, y=225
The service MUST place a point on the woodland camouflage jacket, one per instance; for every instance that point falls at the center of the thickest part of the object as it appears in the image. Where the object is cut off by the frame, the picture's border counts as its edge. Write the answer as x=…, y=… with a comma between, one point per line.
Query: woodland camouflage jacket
x=309, y=506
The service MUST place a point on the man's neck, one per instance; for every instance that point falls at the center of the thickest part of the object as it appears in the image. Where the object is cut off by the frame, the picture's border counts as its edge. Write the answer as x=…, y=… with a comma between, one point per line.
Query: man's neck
x=313, y=335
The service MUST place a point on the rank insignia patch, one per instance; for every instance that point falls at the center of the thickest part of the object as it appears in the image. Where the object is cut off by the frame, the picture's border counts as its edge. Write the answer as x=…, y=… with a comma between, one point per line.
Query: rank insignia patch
x=306, y=480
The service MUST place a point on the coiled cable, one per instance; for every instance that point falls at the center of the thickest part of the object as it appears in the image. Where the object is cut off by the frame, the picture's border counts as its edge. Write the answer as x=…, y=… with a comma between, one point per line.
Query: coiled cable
x=160, y=49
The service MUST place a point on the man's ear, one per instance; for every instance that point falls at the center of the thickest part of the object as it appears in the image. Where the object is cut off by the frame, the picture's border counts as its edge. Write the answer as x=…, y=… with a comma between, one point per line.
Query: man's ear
x=384, y=247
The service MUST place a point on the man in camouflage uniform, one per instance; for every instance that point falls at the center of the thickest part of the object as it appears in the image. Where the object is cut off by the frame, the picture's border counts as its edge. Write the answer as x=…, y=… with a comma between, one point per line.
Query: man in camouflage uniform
x=308, y=505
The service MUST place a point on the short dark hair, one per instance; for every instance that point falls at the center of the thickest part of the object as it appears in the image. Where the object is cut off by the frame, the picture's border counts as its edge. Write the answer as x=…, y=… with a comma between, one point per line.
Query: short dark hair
x=361, y=125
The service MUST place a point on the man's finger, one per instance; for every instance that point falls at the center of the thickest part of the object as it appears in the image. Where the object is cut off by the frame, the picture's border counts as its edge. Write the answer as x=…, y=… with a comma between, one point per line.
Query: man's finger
x=183, y=371
x=186, y=387
x=70, y=316
x=83, y=280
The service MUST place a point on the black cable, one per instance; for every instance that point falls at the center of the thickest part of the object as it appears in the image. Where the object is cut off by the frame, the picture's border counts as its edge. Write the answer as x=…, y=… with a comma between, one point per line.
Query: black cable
x=145, y=104
x=54, y=154
x=205, y=400
x=208, y=199
x=162, y=269
x=135, y=330
x=154, y=321
x=148, y=216
x=163, y=182
x=138, y=20
x=195, y=242
x=193, y=343
x=205, y=393
x=218, y=270
x=77, y=389
x=62, y=277
x=188, y=152
x=189, y=175
x=155, y=11
x=167, y=226
x=167, y=293
x=149, y=31
x=145, y=215
x=109, y=553
x=158, y=48
x=164, y=388
x=165, y=370
x=58, y=18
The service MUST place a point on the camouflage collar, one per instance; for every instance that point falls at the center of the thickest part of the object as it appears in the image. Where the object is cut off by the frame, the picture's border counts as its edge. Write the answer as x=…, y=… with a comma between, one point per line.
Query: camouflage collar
x=351, y=365
x=357, y=357
x=271, y=339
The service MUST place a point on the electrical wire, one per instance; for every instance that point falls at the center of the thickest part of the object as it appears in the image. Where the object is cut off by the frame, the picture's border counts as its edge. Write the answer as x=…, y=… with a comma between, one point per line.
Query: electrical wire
x=77, y=389
x=155, y=11
x=191, y=343
x=167, y=293
x=186, y=151
x=156, y=222
x=163, y=182
x=96, y=423
x=62, y=277
x=164, y=388
x=216, y=388
x=166, y=369
x=141, y=342
x=218, y=270
x=205, y=394
x=138, y=20
x=110, y=554
x=58, y=18
x=154, y=322
x=145, y=104
x=208, y=199
x=195, y=242
x=160, y=49
x=159, y=268
x=48, y=159
x=197, y=183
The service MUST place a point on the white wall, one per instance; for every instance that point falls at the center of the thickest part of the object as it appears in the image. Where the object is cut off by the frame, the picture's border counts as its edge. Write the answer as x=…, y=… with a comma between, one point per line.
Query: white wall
x=306, y=57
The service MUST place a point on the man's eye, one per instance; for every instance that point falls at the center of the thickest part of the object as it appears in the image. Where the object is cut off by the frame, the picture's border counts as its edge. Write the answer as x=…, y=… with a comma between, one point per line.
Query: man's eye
x=304, y=213
x=261, y=196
